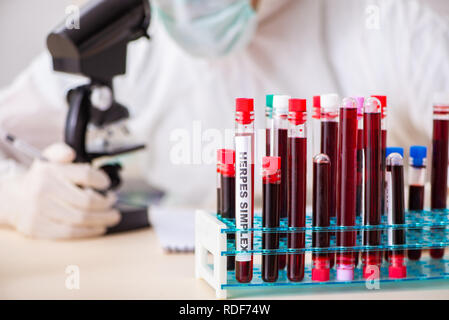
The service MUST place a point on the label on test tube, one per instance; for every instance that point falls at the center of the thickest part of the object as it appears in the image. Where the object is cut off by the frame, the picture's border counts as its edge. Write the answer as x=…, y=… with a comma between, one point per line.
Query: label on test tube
x=243, y=196
x=389, y=204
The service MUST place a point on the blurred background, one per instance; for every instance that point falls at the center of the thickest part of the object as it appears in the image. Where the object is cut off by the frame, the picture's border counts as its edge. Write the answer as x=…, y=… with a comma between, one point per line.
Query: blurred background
x=22, y=36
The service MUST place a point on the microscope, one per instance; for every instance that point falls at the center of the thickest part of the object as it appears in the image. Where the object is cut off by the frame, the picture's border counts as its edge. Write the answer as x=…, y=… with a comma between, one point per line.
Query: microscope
x=98, y=50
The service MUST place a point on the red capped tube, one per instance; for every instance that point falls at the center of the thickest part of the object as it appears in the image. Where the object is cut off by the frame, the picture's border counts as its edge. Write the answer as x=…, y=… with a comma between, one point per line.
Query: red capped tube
x=226, y=157
x=347, y=185
x=244, y=188
x=296, y=185
x=271, y=176
x=372, y=260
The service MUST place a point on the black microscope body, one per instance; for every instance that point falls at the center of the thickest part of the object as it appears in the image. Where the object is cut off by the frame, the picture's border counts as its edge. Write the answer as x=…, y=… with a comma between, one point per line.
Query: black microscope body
x=98, y=50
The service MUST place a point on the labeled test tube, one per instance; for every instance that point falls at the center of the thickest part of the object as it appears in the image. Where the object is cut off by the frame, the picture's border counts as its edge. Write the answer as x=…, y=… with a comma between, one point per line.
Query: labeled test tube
x=372, y=134
x=280, y=120
x=244, y=188
x=440, y=158
x=268, y=123
x=417, y=180
x=297, y=185
x=316, y=125
x=271, y=176
x=227, y=189
x=396, y=214
x=347, y=188
x=320, y=218
x=330, y=104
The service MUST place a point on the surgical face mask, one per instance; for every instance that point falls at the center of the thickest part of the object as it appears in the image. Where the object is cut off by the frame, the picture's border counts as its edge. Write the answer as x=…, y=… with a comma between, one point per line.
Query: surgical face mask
x=208, y=28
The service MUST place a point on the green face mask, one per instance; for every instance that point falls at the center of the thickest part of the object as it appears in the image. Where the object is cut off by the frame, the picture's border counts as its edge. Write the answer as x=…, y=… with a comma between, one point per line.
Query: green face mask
x=208, y=28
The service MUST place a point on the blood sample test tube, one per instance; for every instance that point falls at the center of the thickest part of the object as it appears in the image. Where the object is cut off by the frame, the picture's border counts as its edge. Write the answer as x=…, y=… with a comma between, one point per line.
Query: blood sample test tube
x=321, y=216
x=383, y=102
x=219, y=195
x=296, y=185
x=417, y=180
x=360, y=154
x=316, y=125
x=268, y=123
x=347, y=187
x=227, y=188
x=330, y=104
x=388, y=151
x=396, y=214
x=244, y=188
x=372, y=134
x=280, y=119
x=439, y=173
x=271, y=176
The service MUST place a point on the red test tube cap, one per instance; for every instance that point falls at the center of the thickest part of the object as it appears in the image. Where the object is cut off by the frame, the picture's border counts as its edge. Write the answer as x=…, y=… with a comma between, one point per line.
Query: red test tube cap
x=321, y=275
x=226, y=159
x=297, y=109
x=297, y=105
x=271, y=163
x=271, y=169
x=382, y=99
x=383, y=103
x=244, y=108
x=316, y=107
x=397, y=272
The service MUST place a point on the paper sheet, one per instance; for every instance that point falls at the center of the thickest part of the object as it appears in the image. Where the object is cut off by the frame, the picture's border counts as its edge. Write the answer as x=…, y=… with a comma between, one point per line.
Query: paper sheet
x=174, y=227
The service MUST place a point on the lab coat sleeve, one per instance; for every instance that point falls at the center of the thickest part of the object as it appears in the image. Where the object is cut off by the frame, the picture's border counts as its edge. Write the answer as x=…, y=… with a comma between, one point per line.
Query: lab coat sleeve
x=422, y=54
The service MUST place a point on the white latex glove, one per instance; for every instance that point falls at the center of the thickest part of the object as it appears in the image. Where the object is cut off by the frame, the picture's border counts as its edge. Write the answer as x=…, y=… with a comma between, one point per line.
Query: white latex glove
x=46, y=202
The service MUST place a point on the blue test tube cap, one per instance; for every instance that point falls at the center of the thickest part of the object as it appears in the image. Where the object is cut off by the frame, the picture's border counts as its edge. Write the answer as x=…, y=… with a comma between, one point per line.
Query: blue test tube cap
x=391, y=150
x=418, y=154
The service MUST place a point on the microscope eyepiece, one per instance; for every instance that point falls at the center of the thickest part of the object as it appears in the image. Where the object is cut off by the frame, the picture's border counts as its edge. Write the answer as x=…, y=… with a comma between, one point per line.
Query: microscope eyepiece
x=98, y=48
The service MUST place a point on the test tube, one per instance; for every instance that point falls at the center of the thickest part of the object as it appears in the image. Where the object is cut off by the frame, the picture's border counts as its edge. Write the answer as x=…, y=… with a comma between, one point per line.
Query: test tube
x=227, y=187
x=244, y=188
x=388, y=151
x=372, y=260
x=280, y=119
x=316, y=125
x=330, y=104
x=219, y=195
x=360, y=106
x=268, y=123
x=271, y=176
x=321, y=216
x=396, y=214
x=297, y=185
x=383, y=103
x=360, y=154
x=417, y=180
x=347, y=187
x=440, y=143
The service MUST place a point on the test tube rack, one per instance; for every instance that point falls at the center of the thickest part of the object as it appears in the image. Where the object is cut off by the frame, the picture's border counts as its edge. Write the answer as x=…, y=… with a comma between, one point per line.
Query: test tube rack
x=424, y=230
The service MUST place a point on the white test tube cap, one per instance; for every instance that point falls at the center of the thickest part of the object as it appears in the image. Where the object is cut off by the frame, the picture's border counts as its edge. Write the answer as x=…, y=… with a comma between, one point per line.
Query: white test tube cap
x=345, y=274
x=441, y=99
x=280, y=104
x=330, y=100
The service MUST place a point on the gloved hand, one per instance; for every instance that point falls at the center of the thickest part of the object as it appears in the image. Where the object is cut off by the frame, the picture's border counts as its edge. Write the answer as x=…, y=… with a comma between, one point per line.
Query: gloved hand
x=47, y=202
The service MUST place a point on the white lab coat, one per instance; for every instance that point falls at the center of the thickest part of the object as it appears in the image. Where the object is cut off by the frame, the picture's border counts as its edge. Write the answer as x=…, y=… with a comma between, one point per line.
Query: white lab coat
x=301, y=47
